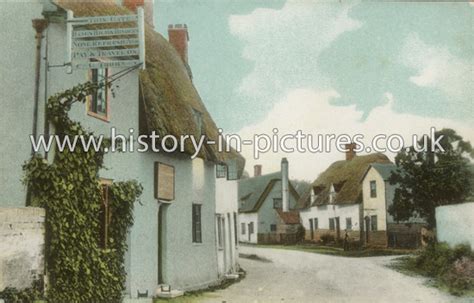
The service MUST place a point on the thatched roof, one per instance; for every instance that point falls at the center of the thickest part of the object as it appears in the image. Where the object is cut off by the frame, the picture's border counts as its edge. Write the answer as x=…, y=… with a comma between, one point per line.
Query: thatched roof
x=345, y=176
x=167, y=94
x=254, y=191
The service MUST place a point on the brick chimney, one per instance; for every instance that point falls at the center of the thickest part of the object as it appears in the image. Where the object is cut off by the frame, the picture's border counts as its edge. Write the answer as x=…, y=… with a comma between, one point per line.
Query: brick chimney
x=178, y=37
x=350, y=151
x=147, y=7
x=257, y=170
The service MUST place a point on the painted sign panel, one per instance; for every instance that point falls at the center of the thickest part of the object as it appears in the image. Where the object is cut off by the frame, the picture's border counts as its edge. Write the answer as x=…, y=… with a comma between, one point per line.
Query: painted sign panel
x=95, y=53
x=106, y=64
x=103, y=19
x=105, y=47
x=105, y=32
x=164, y=182
x=103, y=43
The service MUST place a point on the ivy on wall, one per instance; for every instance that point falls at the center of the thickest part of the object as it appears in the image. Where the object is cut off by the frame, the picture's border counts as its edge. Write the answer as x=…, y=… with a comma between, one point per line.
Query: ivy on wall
x=78, y=268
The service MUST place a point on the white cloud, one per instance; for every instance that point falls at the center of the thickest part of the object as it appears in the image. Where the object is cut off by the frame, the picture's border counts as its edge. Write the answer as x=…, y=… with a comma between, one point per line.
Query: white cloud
x=437, y=68
x=284, y=44
x=312, y=112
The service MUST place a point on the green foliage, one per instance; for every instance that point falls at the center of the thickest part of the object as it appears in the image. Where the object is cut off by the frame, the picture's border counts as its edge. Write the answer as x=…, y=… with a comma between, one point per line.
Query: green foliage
x=79, y=270
x=27, y=295
x=452, y=268
x=327, y=238
x=429, y=179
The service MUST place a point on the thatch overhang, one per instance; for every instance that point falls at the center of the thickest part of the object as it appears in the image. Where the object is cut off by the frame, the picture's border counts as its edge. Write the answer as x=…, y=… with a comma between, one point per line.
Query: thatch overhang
x=168, y=99
x=345, y=176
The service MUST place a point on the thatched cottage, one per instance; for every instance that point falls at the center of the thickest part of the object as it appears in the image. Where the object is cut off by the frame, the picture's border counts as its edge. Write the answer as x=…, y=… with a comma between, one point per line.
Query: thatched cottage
x=267, y=207
x=173, y=239
x=333, y=205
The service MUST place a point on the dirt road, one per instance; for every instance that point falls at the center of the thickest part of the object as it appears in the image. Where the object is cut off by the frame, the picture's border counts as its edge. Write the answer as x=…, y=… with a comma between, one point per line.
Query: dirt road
x=294, y=276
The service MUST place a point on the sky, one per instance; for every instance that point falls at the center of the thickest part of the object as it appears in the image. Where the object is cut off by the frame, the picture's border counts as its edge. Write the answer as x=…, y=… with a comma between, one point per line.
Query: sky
x=329, y=67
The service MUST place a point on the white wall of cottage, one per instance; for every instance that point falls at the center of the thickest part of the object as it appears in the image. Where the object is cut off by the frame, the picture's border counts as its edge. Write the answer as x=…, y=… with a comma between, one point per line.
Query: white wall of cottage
x=247, y=218
x=324, y=212
x=227, y=207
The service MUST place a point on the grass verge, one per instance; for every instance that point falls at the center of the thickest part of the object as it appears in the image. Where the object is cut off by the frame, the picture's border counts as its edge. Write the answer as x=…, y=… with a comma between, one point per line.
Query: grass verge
x=449, y=269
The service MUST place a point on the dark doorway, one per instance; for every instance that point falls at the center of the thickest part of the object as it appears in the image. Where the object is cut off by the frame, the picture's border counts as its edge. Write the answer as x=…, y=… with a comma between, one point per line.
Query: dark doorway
x=367, y=228
x=161, y=241
x=338, y=228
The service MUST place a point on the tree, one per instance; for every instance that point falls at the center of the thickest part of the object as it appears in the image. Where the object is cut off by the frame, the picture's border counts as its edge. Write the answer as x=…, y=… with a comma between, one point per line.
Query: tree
x=439, y=174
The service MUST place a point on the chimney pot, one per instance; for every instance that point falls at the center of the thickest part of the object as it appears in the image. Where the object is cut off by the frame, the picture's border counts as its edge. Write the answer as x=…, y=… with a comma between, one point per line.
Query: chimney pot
x=147, y=6
x=257, y=170
x=350, y=151
x=178, y=37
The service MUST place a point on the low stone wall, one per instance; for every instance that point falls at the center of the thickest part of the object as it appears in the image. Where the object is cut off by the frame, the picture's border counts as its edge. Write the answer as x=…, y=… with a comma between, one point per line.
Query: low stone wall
x=21, y=246
x=455, y=224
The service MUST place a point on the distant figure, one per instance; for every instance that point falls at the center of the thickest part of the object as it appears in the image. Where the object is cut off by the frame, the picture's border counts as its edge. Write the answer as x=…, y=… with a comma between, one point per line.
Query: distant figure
x=346, y=241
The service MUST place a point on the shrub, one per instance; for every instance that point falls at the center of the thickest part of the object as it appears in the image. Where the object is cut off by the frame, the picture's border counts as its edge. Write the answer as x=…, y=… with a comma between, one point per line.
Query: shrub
x=452, y=267
x=327, y=238
x=27, y=295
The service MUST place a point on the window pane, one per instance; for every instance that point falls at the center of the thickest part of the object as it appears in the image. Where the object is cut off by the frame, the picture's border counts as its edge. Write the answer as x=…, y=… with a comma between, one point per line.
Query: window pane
x=221, y=171
x=373, y=223
x=98, y=100
x=349, y=223
x=196, y=224
x=373, y=189
x=277, y=203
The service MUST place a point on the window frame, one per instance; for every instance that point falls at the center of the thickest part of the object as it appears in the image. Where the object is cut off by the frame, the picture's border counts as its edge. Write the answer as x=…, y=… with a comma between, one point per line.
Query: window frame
x=90, y=98
x=273, y=228
x=348, y=223
x=280, y=201
x=373, y=223
x=199, y=120
x=221, y=173
x=197, y=223
x=220, y=231
x=232, y=170
x=373, y=190
x=332, y=223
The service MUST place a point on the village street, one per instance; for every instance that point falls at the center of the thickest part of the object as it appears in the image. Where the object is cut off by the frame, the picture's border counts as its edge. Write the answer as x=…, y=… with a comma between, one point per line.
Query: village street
x=294, y=276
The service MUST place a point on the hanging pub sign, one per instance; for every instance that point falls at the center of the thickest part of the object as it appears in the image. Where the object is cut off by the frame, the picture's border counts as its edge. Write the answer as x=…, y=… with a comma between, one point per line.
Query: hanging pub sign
x=120, y=44
x=164, y=180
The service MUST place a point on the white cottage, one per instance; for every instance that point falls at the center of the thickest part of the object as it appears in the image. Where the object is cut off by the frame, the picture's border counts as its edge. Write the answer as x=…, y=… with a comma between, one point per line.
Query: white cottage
x=173, y=226
x=332, y=206
x=267, y=207
x=380, y=228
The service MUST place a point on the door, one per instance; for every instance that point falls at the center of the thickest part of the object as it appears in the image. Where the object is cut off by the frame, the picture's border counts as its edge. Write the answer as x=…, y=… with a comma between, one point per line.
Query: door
x=161, y=241
x=338, y=228
x=367, y=228
x=311, y=228
x=249, y=231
